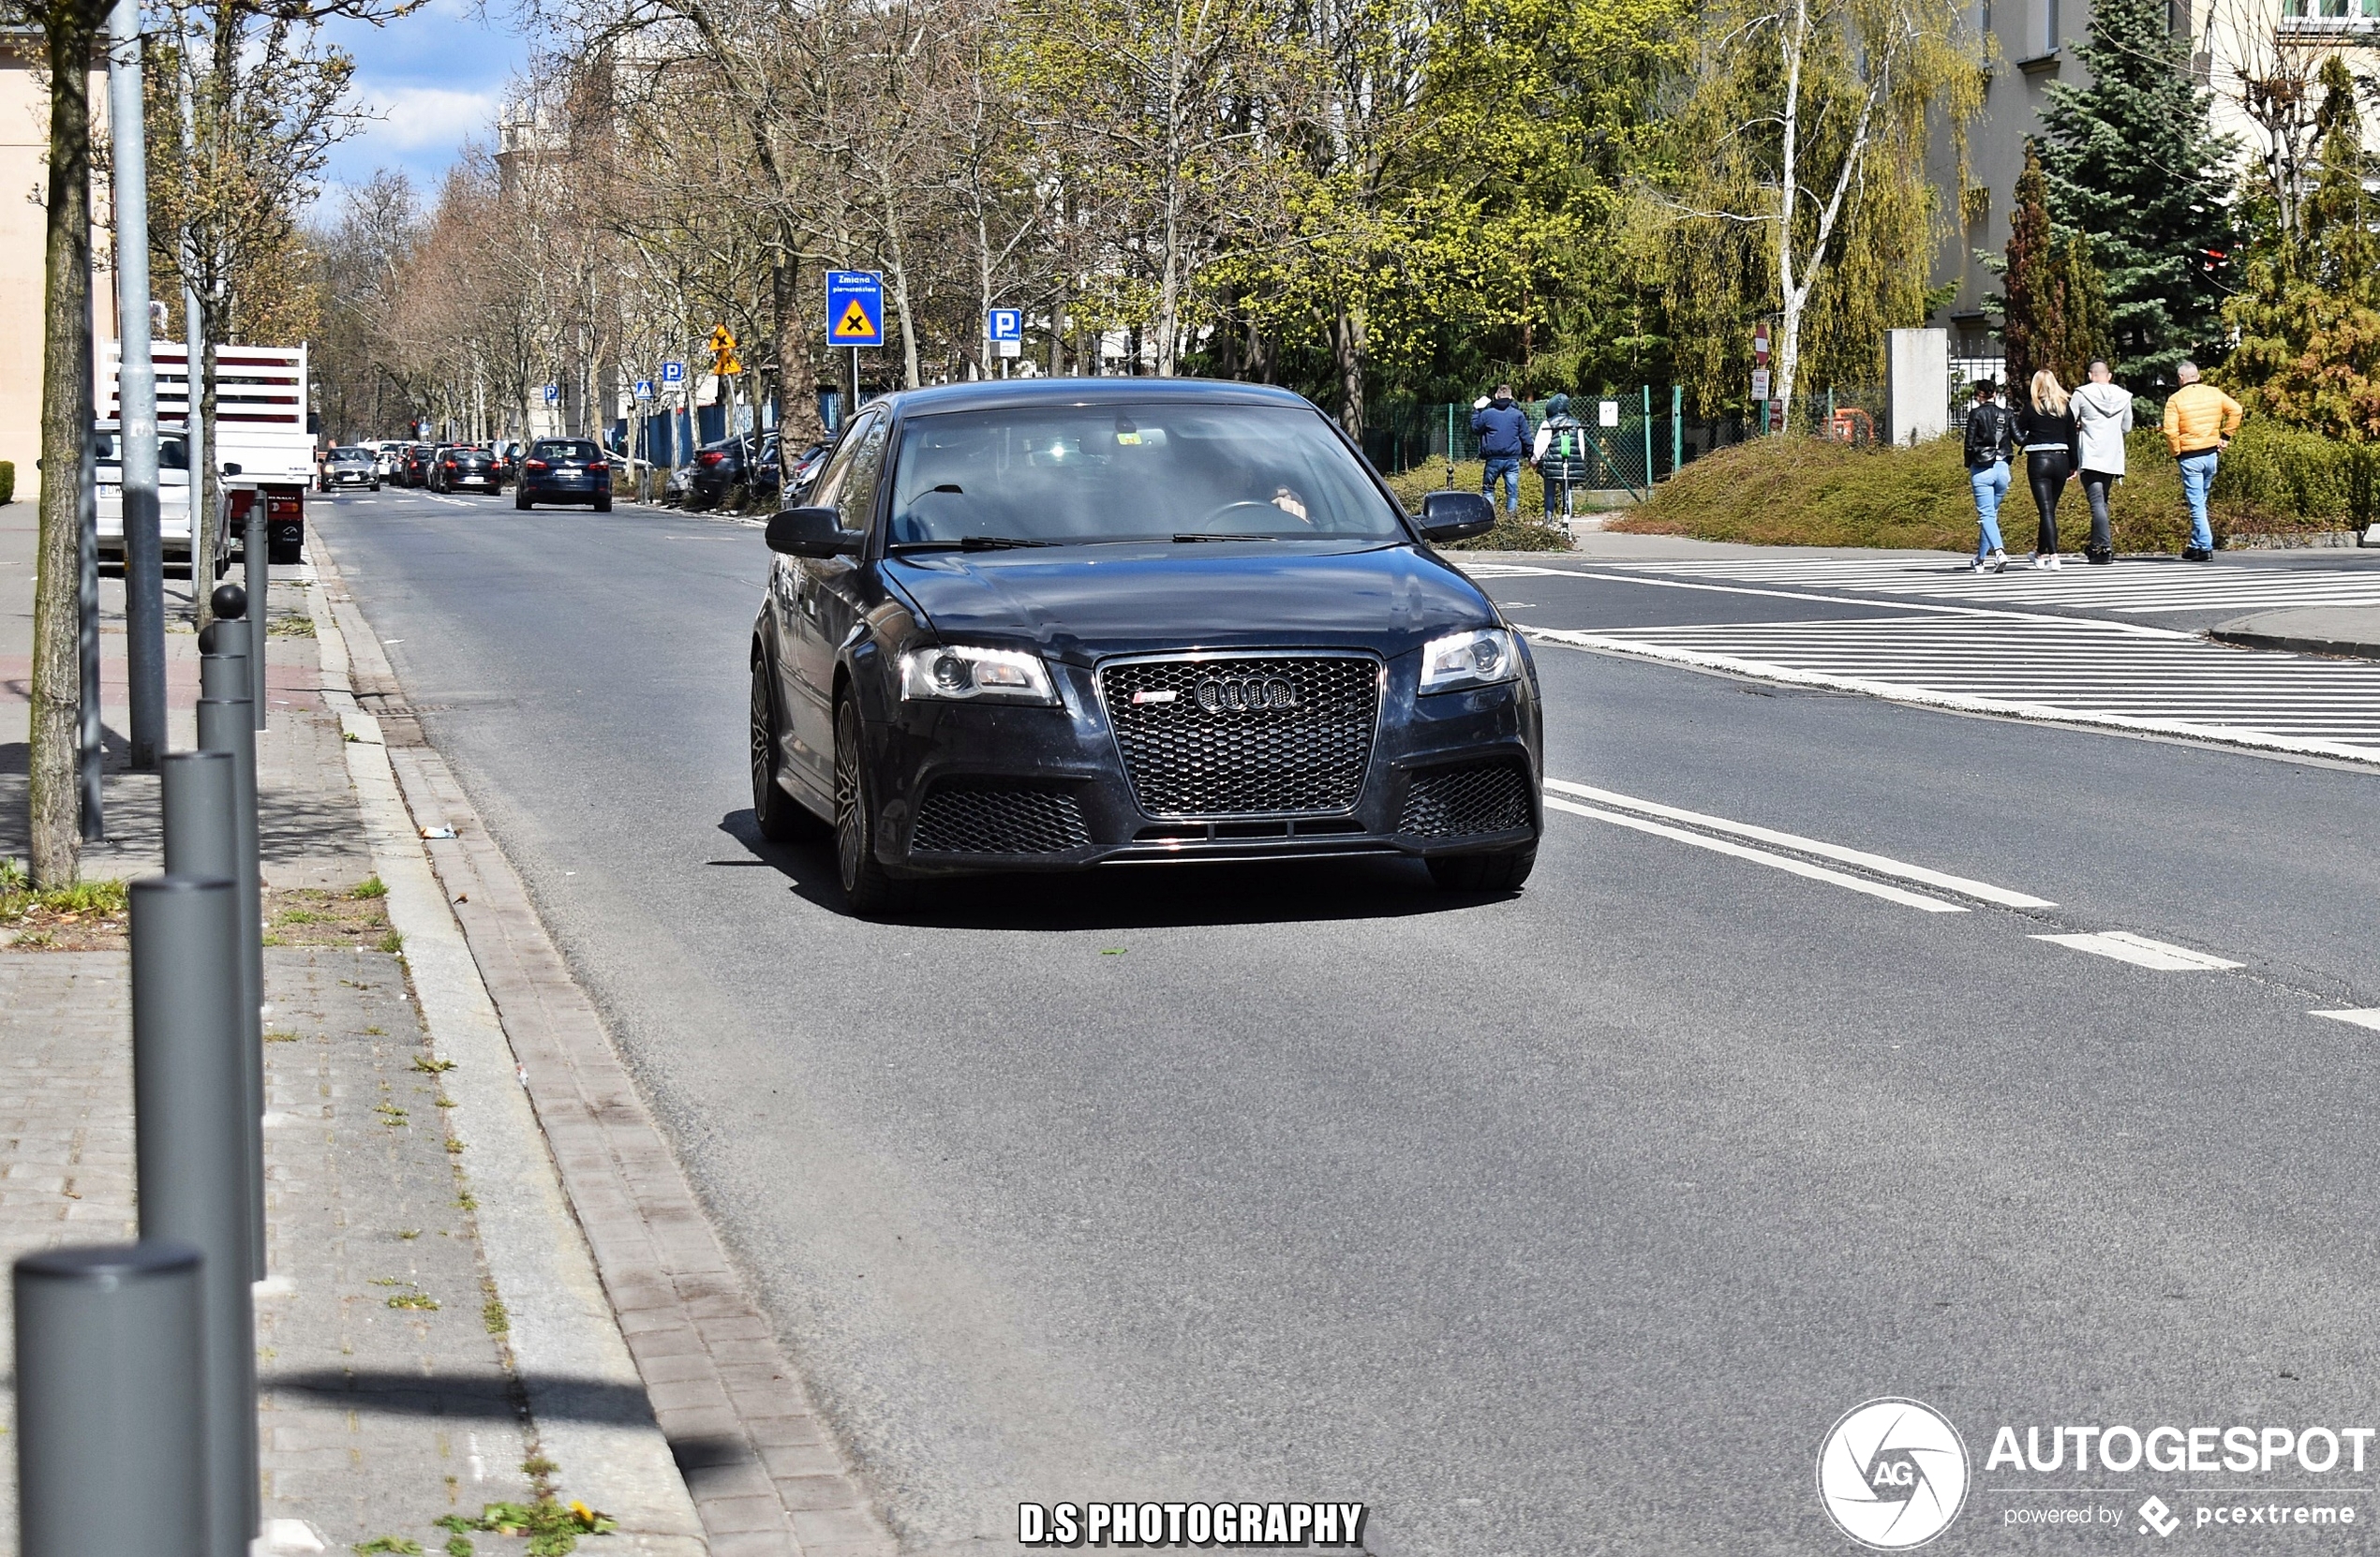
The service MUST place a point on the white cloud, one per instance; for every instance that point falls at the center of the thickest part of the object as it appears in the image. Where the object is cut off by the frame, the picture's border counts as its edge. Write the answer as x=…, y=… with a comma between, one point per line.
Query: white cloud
x=416, y=118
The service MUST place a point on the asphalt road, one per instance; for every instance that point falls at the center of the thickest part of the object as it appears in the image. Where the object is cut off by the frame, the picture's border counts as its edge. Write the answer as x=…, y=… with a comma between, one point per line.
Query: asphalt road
x=1562, y=1222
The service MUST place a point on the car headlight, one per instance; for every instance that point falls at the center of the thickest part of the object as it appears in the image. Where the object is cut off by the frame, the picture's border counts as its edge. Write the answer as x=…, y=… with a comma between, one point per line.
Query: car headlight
x=956, y=673
x=1479, y=658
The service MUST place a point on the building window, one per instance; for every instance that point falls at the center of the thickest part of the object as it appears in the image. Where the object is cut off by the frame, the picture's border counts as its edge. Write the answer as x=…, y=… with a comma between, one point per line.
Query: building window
x=2047, y=41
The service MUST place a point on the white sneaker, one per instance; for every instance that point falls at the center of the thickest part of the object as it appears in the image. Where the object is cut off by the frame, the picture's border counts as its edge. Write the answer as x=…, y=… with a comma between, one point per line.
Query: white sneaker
x=1999, y=562
x=2055, y=562
x=1979, y=566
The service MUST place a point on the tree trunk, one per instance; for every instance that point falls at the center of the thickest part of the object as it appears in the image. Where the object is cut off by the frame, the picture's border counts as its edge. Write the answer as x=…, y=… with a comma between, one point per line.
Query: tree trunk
x=1347, y=339
x=53, y=829
x=798, y=420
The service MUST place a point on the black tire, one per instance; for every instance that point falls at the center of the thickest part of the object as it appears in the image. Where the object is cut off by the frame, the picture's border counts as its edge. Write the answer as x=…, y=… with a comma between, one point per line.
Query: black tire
x=781, y=818
x=376, y=486
x=604, y=505
x=872, y=893
x=520, y=500
x=1502, y=871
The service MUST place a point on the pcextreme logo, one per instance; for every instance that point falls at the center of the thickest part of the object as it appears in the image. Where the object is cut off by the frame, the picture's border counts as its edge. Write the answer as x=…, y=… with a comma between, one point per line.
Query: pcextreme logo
x=1892, y=1473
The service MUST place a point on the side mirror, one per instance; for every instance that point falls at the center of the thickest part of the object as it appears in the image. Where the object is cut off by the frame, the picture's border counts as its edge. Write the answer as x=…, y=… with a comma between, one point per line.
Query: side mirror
x=230, y=470
x=1456, y=515
x=810, y=532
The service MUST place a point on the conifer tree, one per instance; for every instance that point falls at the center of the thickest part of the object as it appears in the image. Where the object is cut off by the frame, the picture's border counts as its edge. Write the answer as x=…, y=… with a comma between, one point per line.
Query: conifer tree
x=2030, y=327
x=2132, y=161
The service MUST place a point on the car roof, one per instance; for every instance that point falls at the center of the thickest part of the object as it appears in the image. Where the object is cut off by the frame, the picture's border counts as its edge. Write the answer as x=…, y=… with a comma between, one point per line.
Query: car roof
x=1013, y=394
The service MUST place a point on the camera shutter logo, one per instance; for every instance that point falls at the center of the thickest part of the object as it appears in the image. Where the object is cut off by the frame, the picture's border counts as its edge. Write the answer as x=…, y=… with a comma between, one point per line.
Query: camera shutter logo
x=1892, y=1473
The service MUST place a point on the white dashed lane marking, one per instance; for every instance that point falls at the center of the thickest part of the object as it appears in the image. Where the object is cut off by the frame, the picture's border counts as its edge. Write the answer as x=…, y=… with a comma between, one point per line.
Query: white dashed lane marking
x=2141, y=952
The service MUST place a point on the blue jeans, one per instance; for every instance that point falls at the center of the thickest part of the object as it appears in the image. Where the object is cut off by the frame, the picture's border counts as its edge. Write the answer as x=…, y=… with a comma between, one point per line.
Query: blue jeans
x=1990, y=487
x=1504, y=469
x=2197, y=476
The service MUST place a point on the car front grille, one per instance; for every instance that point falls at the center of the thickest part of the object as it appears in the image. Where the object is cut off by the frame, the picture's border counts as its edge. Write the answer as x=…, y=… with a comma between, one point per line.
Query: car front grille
x=959, y=820
x=1257, y=735
x=1460, y=802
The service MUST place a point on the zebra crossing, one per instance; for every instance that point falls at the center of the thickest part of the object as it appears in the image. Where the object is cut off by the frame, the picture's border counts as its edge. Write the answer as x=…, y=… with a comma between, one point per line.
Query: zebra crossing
x=2114, y=674
x=2133, y=588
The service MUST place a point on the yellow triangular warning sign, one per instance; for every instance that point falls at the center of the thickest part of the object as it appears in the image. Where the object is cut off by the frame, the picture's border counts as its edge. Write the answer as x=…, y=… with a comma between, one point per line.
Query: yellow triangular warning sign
x=854, y=322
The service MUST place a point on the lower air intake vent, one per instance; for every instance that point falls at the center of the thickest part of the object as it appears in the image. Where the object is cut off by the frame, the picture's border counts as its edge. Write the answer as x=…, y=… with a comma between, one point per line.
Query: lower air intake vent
x=999, y=822
x=1459, y=802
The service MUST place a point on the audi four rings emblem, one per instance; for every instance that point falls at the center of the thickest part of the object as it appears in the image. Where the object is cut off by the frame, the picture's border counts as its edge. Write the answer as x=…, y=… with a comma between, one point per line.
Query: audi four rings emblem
x=1238, y=694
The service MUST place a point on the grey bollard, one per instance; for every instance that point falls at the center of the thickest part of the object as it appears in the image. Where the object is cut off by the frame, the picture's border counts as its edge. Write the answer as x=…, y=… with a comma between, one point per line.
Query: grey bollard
x=202, y=838
x=191, y=1153
x=110, y=1438
x=223, y=726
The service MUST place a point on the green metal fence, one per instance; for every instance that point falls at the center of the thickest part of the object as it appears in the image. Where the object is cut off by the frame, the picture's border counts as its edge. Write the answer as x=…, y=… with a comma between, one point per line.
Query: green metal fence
x=1635, y=438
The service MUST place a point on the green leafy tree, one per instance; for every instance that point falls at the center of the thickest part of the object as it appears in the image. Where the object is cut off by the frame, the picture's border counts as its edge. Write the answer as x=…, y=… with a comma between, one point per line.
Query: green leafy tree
x=2309, y=318
x=1797, y=186
x=2132, y=161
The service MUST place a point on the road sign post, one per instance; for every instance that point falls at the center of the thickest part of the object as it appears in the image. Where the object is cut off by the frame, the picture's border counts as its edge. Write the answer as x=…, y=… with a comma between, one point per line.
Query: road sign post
x=854, y=316
x=1005, y=329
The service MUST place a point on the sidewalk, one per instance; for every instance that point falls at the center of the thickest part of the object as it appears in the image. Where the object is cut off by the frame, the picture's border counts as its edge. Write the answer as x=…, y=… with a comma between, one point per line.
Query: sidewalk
x=2341, y=629
x=432, y=1336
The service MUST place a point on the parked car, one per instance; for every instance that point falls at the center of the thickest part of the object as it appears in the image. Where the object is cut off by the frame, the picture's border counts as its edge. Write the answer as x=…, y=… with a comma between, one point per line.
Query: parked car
x=719, y=469
x=679, y=488
x=1131, y=621
x=565, y=470
x=350, y=465
x=806, y=467
x=466, y=469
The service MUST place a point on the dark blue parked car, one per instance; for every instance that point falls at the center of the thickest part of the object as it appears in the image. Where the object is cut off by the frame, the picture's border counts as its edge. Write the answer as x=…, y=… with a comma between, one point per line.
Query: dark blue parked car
x=1072, y=623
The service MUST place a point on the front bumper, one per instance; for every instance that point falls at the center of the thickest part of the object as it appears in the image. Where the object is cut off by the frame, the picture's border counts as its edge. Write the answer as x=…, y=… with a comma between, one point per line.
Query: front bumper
x=1069, y=755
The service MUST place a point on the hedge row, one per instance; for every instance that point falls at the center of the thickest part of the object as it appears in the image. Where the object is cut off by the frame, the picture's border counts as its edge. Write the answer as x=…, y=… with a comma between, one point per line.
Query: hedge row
x=2273, y=482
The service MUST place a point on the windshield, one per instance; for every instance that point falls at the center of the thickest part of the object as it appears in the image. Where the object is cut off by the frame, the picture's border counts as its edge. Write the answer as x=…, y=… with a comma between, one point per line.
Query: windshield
x=350, y=456
x=558, y=450
x=1132, y=473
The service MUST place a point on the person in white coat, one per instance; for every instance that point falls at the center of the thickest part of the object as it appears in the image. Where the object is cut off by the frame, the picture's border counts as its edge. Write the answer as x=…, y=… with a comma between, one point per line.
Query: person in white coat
x=2101, y=410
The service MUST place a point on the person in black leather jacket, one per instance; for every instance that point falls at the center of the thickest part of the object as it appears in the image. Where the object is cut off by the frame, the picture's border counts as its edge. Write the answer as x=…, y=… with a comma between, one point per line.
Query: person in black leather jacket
x=2045, y=427
x=1991, y=442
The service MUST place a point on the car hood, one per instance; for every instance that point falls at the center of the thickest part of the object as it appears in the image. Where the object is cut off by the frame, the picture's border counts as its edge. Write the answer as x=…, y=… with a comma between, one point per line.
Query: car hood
x=1081, y=602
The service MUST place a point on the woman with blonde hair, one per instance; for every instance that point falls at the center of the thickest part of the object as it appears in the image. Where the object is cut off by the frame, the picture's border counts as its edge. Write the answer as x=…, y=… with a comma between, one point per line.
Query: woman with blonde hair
x=2045, y=430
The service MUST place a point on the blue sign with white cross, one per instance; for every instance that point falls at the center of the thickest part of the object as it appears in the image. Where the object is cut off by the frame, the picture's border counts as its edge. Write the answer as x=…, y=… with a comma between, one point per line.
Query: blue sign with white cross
x=1007, y=324
x=673, y=373
x=854, y=308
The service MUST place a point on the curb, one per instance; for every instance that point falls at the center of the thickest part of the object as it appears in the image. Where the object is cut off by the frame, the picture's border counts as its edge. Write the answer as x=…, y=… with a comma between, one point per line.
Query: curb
x=762, y=1470
x=2329, y=647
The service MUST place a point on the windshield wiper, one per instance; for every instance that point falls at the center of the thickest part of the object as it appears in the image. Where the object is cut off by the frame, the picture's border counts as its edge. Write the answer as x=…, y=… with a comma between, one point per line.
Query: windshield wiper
x=968, y=543
x=1193, y=536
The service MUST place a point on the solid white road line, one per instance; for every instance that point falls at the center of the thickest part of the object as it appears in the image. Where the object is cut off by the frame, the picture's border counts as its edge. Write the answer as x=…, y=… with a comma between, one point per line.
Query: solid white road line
x=1881, y=866
x=2141, y=952
x=2357, y=1019
x=1775, y=862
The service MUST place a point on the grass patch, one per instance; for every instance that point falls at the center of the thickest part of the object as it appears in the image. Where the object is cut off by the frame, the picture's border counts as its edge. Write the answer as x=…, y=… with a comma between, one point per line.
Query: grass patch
x=397, y=1544
x=292, y=627
x=280, y=1036
x=391, y=1116
x=392, y=941
x=1810, y=492
x=309, y=916
x=85, y=916
x=428, y=1065
x=492, y=1314
x=367, y=889
x=417, y=1300
x=553, y=1527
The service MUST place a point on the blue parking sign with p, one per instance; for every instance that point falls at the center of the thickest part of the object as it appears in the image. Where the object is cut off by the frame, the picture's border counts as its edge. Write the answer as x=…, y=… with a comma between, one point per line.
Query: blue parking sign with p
x=854, y=308
x=1007, y=324
x=673, y=373
x=553, y=394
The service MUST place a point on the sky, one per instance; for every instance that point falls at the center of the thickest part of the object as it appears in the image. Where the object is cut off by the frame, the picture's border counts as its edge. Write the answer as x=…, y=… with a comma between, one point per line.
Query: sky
x=433, y=79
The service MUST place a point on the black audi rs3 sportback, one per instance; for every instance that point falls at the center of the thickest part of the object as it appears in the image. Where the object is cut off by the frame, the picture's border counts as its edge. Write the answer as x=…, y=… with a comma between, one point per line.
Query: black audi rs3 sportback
x=1063, y=623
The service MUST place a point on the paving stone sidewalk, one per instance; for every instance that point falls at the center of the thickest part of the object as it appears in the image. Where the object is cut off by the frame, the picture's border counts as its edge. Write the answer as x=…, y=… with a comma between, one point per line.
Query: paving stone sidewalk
x=389, y=1392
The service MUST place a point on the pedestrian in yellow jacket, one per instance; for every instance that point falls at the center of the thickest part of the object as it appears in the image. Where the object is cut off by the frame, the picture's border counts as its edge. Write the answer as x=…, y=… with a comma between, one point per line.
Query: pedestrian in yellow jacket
x=2199, y=422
